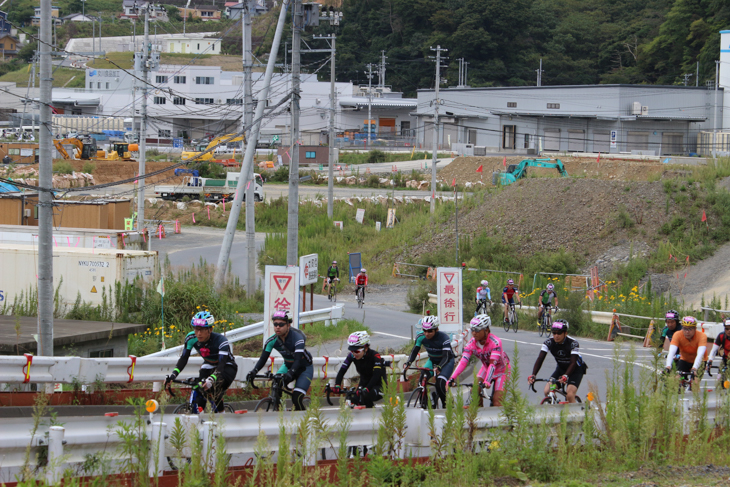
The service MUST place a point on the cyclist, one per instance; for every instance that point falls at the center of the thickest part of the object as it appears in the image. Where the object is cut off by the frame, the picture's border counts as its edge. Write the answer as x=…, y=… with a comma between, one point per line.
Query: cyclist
x=290, y=343
x=671, y=321
x=361, y=281
x=721, y=342
x=692, y=347
x=333, y=275
x=219, y=366
x=571, y=366
x=488, y=348
x=508, y=296
x=484, y=294
x=370, y=367
x=546, y=297
x=440, y=354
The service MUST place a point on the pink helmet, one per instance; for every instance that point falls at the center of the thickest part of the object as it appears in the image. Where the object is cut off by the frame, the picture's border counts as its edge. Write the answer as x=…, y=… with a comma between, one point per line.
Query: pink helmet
x=510, y=282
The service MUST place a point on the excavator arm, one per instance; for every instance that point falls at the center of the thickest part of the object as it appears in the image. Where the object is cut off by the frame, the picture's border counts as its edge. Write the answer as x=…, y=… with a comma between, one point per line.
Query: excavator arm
x=59, y=144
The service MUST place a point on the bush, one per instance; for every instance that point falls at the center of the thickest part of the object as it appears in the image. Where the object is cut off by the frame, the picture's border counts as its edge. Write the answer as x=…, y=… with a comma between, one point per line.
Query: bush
x=418, y=294
x=281, y=175
x=88, y=167
x=212, y=170
x=63, y=167
x=375, y=156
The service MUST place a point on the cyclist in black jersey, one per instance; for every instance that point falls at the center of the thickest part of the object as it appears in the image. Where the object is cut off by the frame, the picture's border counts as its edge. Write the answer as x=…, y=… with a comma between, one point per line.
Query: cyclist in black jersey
x=671, y=320
x=440, y=353
x=546, y=298
x=219, y=366
x=290, y=343
x=370, y=366
x=571, y=367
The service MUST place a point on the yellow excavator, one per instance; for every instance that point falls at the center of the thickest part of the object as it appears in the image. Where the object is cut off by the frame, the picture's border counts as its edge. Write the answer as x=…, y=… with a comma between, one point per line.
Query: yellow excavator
x=120, y=151
x=212, y=145
x=84, y=150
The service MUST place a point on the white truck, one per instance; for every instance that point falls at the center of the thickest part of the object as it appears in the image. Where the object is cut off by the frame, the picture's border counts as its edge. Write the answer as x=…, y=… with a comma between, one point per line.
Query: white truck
x=196, y=187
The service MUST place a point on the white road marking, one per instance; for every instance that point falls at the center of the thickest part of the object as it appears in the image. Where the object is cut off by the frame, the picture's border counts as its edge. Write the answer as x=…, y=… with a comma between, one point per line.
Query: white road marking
x=389, y=335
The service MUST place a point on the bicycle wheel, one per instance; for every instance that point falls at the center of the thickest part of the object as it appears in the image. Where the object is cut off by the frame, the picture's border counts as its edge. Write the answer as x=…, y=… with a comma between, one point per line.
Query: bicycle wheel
x=547, y=400
x=184, y=408
x=543, y=326
x=334, y=295
x=267, y=404
x=578, y=400
x=227, y=408
x=515, y=321
x=506, y=323
x=414, y=401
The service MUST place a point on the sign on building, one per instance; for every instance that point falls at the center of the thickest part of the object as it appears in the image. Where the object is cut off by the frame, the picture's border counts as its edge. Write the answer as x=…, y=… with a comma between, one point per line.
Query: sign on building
x=281, y=292
x=450, y=309
x=177, y=143
x=614, y=139
x=308, y=269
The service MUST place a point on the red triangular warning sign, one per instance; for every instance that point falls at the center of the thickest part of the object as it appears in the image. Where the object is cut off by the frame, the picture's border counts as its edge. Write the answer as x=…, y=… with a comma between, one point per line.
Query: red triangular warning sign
x=449, y=276
x=282, y=281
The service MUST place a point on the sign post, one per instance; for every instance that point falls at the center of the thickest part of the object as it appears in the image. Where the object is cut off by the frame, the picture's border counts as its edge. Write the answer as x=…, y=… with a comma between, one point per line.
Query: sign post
x=307, y=274
x=450, y=307
x=281, y=292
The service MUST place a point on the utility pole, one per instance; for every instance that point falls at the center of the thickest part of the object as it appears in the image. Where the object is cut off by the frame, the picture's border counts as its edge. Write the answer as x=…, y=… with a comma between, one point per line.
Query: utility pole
x=143, y=126
x=225, y=252
x=714, y=117
x=370, y=100
x=292, y=243
x=333, y=112
x=539, y=74
x=697, y=76
x=466, y=73
x=247, y=122
x=45, y=198
x=686, y=77
x=381, y=74
x=436, y=103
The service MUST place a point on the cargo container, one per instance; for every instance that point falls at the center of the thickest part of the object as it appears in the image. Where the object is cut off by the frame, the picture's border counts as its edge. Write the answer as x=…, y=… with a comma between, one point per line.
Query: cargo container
x=86, y=272
x=91, y=238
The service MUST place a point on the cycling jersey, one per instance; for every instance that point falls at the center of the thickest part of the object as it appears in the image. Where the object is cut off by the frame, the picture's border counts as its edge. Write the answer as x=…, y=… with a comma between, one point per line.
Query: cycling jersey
x=216, y=352
x=667, y=333
x=546, y=297
x=291, y=348
x=495, y=362
x=361, y=280
x=333, y=271
x=438, y=348
x=721, y=342
x=563, y=352
x=370, y=368
x=509, y=293
x=688, y=349
x=484, y=293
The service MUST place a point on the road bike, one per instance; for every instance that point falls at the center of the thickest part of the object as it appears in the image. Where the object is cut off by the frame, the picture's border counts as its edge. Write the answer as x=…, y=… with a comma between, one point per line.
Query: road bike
x=482, y=393
x=557, y=388
x=278, y=389
x=482, y=307
x=546, y=320
x=512, y=319
x=722, y=378
x=191, y=406
x=353, y=396
x=419, y=397
x=332, y=290
x=360, y=296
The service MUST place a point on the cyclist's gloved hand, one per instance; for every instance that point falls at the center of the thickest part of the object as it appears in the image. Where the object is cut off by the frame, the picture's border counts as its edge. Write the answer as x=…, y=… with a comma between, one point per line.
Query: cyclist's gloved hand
x=336, y=389
x=563, y=379
x=407, y=365
x=451, y=382
x=288, y=377
x=170, y=378
x=531, y=379
x=207, y=383
x=251, y=376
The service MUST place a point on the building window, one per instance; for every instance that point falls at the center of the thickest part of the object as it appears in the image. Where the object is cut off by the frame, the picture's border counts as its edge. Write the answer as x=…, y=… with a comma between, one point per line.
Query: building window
x=198, y=47
x=555, y=106
x=2, y=45
x=509, y=136
x=14, y=152
x=166, y=134
x=102, y=353
x=160, y=100
x=98, y=85
x=310, y=155
x=178, y=100
x=203, y=80
x=180, y=80
x=203, y=101
x=234, y=101
x=160, y=79
x=107, y=85
x=511, y=104
x=91, y=85
x=212, y=48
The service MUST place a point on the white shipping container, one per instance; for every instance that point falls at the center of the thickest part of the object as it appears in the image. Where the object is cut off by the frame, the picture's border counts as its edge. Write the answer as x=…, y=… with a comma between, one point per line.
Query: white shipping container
x=85, y=272
x=76, y=238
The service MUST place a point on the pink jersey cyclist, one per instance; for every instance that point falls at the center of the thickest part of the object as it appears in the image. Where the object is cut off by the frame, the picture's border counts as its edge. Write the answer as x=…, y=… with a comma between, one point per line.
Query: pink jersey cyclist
x=495, y=362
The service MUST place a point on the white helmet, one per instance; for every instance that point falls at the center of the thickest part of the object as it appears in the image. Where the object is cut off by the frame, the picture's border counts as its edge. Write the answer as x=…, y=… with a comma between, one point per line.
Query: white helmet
x=485, y=283
x=363, y=271
x=358, y=340
x=480, y=322
x=430, y=322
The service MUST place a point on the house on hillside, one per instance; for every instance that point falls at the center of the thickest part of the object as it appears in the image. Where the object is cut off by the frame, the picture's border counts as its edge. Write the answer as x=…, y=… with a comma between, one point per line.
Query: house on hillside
x=76, y=18
x=4, y=24
x=8, y=46
x=134, y=9
x=234, y=10
x=203, y=12
x=36, y=19
x=193, y=45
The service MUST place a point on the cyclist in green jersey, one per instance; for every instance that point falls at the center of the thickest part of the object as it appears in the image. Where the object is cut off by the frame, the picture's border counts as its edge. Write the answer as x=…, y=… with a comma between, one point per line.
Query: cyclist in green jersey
x=332, y=275
x=440, y=353
x=545, y=300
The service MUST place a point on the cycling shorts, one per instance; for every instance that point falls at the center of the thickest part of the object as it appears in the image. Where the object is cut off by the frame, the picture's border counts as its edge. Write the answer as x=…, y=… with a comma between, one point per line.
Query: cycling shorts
x=683, y=366
x=303, y=381
x=445, y=372
x=501, y=374
x=511, y=300
x=574, y=379
x=331, y=279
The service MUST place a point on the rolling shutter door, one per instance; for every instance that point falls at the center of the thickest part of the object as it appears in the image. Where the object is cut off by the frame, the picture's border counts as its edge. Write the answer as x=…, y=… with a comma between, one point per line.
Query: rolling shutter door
x=673, y=143
x=576, y=142
x=638, y=141
x=601, y=142
x=552, y=140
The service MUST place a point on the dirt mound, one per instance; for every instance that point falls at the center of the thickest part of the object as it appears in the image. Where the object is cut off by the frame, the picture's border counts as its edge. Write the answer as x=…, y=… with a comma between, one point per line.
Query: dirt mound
x=587, y=216
x=112, y=171
x=464, y=169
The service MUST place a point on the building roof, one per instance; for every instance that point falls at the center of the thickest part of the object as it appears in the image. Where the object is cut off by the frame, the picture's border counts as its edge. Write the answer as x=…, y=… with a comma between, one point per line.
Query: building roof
x=207, y=7
x=362, y=102
x=570, y=87
x=8, y=188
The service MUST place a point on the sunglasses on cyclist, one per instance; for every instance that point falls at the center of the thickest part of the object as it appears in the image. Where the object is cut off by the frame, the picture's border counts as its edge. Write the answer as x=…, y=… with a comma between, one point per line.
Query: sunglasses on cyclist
x=429, y=331
x=358, y=350
x=556, y=332
x=279, y=324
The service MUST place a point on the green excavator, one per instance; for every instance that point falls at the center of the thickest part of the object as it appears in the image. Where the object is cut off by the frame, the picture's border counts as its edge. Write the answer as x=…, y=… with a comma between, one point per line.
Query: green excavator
x=519, y=171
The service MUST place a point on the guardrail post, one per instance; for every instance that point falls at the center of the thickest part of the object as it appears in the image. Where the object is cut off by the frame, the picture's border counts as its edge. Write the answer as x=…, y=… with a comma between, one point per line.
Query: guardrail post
x=157, y=449
x=209, y=433
x=156, y=386
x=54, y=471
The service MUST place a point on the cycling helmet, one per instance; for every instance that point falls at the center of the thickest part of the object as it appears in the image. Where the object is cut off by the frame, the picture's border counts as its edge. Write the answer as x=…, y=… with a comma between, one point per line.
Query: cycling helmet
x=480, y=322
x=560, y=326
x=202, y=319
x=689, y=322
x=281, y=315
x=429, y=322
x=358, y=340
x=727, y=322
x=550, y=287
x=485, y=283
x=510, y=281
x=334, y=262
x=672, y=314
x=363, y=271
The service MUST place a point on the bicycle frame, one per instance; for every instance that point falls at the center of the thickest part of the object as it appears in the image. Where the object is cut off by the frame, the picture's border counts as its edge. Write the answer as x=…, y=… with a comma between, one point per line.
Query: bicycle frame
x=556, y=387
x=277, y=387
x=193, y=382
x=423, y=382
x=352, y=396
